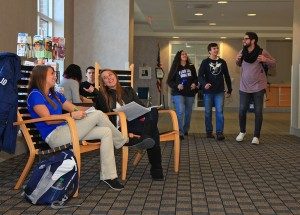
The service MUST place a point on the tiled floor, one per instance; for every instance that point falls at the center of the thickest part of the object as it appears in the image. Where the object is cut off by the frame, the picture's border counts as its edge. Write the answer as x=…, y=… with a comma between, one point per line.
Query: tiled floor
x=214, y=178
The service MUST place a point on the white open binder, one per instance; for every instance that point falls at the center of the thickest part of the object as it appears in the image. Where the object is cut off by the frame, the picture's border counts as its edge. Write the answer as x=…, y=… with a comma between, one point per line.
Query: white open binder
x=133, y=110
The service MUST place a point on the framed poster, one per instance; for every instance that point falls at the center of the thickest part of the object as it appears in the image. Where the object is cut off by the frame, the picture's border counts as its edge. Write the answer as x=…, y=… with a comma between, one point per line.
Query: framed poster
x=145, y=72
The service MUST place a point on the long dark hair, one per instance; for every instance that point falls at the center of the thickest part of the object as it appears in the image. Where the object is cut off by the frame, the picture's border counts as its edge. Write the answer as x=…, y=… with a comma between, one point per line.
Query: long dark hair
x=73, y=71
x=38, y=81
x=104, y=90
x=175, y=64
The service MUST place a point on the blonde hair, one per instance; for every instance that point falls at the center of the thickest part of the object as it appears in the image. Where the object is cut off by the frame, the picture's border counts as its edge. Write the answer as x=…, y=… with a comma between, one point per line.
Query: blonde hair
x=104, y=90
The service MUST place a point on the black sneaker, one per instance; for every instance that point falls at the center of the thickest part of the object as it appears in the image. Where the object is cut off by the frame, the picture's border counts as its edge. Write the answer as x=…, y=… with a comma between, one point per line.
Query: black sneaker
x=140, y=143
x=186, y=134
x=181, y=137
x=220, y=136
x=209, y=135
x=114, y=184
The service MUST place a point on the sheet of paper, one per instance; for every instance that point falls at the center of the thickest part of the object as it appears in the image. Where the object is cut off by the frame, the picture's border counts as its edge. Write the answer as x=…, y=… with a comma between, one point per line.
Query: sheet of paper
x=132, y=110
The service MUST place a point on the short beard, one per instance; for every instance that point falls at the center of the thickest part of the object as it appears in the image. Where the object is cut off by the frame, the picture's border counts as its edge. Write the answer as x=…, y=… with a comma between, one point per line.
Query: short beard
x=246, y=45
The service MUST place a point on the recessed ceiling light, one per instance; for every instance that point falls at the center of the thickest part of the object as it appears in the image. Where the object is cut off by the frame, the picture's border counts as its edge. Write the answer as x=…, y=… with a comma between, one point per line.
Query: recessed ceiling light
x=212, y=23
x=251, y=14
x=222, y=2
x=223, y=37
x=175, y=37
x=198, y=14
x=288, y=38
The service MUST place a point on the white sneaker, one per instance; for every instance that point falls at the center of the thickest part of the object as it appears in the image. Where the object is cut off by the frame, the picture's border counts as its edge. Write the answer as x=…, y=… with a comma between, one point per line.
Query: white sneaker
x=240, y=137
x=255, y=141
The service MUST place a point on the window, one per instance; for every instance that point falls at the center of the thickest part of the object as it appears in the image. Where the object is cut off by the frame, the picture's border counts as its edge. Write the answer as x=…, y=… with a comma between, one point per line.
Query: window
x=45, y=17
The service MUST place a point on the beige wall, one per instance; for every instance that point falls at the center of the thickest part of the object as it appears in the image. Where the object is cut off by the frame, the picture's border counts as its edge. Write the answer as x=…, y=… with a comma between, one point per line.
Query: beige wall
x=282, y=52
x=145, y=52
x=16, y=16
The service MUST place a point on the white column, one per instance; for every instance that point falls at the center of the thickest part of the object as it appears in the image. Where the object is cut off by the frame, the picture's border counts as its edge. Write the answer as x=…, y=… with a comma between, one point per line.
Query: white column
x=103, y=32
x=295, y=82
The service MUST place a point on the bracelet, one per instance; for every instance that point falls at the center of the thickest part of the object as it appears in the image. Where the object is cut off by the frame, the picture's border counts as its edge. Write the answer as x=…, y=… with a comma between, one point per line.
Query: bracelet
x=75, y=108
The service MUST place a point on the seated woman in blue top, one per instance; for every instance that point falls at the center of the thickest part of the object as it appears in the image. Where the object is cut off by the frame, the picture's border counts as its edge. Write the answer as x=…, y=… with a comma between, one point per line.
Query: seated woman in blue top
x=113, y=95
x=43, y=101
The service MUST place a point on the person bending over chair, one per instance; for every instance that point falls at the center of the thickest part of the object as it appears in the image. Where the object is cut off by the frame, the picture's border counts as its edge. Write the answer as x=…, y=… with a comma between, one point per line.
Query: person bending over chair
x=43, y=101
x=71, y=79
x=112, y=95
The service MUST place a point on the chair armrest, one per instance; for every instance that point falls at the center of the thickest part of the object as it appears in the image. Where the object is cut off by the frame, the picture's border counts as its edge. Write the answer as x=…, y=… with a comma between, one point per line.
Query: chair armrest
x=173, y=117
x=122, y=120
x=70, y=121
x=47, y=118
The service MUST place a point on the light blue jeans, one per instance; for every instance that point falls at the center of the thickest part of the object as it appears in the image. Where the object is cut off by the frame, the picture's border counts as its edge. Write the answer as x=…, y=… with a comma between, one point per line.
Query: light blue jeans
x=184, y=107
x=216, y=100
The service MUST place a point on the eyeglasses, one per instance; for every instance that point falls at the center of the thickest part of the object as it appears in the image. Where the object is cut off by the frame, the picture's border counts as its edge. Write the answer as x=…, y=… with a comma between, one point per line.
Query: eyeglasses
x=246, y=38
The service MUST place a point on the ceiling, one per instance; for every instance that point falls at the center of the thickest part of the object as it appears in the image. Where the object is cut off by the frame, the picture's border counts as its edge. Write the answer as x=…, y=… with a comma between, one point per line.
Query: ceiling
x=168, y=18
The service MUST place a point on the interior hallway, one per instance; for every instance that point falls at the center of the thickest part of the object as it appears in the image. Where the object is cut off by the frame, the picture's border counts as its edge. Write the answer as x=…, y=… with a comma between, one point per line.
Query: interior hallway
x=273, y=123
x=215, y=177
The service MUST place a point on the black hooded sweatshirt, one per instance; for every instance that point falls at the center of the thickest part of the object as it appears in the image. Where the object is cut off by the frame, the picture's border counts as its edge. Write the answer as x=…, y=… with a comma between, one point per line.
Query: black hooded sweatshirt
x=185, y=75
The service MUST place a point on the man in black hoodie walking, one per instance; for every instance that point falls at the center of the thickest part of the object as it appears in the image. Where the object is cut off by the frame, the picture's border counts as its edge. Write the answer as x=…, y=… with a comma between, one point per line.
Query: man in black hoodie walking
x=211, y=76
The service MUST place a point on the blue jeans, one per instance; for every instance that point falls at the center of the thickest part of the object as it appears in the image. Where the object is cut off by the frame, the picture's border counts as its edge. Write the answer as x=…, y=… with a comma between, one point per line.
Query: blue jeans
x=258, y=98
x=184, y=107
x=216, y=99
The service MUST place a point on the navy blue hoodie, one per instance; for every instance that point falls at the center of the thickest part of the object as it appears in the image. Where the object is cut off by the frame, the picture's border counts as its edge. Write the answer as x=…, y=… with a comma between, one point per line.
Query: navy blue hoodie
x=214, y=72
x=185, y=75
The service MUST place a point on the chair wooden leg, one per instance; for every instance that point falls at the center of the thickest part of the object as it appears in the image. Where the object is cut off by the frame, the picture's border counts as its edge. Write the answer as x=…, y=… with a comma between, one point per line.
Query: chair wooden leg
x=176, y=153
x=76, y=193
x=76, y=152
x=25, y=171
x=124, y=162
x=137, y=158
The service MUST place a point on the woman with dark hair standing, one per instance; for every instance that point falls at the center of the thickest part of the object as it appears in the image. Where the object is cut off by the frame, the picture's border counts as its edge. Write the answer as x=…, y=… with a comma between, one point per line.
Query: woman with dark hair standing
x=183, y=81
x=71, y=79
x=113, y=95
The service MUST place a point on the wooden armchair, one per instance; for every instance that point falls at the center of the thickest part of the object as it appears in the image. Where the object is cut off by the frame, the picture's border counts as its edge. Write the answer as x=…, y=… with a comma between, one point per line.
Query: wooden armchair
x=126, y=79
x=37, y=146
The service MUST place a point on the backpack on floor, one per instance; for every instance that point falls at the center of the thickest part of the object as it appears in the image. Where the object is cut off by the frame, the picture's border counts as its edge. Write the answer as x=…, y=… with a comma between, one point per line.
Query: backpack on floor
x=53, y=181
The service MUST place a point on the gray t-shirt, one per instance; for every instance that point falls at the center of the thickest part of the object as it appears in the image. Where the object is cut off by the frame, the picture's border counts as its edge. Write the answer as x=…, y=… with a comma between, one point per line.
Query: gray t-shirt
x=253, y=77
x=71, y=90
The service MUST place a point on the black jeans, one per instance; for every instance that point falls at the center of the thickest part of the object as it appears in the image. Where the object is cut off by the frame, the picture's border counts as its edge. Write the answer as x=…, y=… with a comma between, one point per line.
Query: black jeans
x=146, y=126
x=245, y=98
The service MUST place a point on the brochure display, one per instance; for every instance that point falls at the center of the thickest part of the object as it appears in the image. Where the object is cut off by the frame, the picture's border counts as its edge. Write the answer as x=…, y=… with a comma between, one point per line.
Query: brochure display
x=40, y=47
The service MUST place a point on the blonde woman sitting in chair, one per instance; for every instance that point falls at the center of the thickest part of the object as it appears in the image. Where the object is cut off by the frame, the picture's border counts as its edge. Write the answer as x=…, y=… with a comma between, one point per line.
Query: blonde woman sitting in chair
x=112, y=95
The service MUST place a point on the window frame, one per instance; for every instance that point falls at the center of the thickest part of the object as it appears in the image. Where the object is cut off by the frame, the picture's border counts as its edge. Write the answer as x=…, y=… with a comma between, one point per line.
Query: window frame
x=49, y=19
